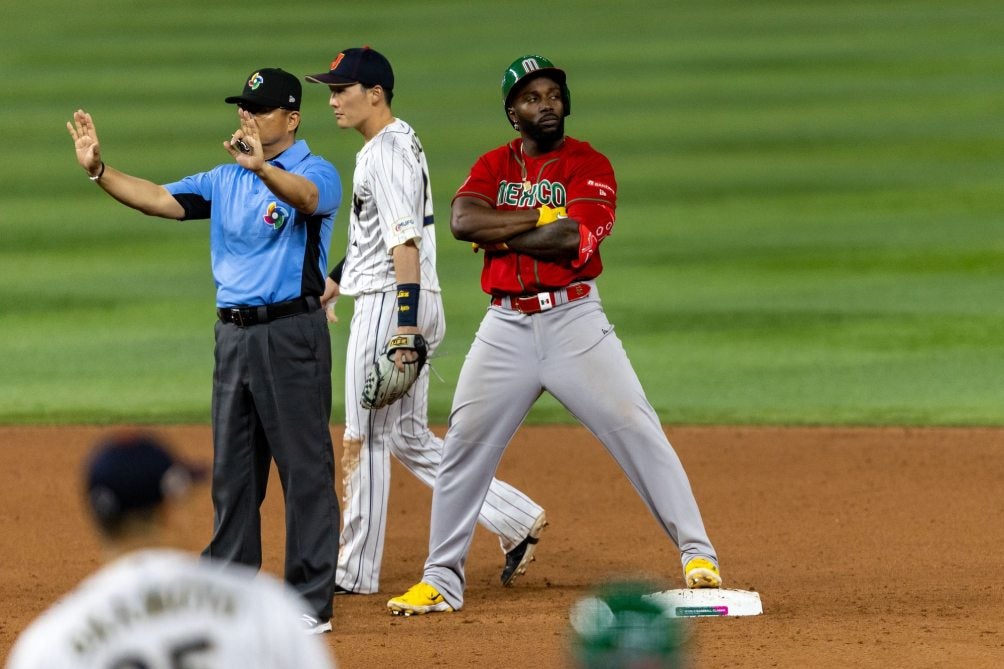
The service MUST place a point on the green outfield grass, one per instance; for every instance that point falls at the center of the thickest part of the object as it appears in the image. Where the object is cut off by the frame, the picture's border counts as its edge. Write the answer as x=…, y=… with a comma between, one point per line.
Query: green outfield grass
x=811, y=218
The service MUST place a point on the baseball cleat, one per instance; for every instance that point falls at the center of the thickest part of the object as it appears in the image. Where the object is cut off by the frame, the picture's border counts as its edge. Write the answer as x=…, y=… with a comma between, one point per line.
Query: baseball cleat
x=518, y=558
x=420, y=598
x=702, y=573
x=312, y=625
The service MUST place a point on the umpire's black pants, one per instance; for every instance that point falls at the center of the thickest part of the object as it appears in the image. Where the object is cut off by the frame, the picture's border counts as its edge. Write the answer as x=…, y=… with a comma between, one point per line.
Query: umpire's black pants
x=272, y=400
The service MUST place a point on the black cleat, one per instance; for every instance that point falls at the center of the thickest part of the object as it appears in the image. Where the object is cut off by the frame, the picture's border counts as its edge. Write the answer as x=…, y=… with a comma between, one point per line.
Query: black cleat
x=518, y=558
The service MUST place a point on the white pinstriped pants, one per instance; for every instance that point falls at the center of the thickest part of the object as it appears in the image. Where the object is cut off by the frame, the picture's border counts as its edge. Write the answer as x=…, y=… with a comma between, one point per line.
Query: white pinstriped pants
x=401, y=429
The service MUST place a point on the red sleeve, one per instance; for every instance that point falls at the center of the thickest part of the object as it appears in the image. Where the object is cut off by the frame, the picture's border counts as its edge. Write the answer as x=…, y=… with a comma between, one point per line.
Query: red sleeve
x=481, y=183
x=592, y=201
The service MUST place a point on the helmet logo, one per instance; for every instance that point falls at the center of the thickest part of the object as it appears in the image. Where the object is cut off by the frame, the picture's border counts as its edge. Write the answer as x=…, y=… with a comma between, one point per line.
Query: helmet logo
x=530, y=64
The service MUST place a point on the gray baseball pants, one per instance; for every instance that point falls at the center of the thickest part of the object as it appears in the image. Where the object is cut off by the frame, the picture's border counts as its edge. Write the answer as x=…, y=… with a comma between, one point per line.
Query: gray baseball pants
x=570, y=351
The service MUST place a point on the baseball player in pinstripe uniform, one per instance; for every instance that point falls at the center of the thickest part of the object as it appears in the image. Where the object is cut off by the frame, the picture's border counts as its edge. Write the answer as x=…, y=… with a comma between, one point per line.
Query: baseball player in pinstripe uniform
x=539, y=206
x=155, y=606
x=390, y=271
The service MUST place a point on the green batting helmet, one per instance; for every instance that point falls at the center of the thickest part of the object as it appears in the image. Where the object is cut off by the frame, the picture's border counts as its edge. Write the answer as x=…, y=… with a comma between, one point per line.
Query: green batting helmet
x=525, y=68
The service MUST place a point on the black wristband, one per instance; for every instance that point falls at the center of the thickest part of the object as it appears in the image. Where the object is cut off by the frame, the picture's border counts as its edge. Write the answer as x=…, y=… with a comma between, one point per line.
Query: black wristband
x=336, y=273
x=407, y=304
x=101, y=173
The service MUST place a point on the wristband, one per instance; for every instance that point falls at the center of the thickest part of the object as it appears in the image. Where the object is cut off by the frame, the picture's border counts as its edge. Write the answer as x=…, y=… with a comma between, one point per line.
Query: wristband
x=407, y=304
x=99, y=174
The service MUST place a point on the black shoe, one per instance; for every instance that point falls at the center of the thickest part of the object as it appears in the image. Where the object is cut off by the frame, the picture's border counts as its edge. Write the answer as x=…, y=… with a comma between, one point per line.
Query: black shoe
x=518, y=558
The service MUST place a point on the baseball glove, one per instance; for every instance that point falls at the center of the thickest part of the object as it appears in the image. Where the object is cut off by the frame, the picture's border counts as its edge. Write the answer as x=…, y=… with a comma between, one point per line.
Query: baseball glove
x=385, y=383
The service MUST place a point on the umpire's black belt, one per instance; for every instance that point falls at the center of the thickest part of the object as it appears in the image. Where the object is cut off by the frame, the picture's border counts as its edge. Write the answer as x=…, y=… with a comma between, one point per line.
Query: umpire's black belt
x=247, y=316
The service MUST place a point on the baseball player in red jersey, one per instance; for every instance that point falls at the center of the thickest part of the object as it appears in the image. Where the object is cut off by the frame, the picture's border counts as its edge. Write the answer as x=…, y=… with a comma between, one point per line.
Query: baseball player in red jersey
x=539, y=207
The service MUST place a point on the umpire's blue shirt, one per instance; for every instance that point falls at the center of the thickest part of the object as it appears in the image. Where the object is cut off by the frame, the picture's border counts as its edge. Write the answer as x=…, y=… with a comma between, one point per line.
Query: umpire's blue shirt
x=263, y=250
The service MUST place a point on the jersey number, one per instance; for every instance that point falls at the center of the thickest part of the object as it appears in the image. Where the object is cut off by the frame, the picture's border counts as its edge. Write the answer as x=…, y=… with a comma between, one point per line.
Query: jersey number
x=189, y=654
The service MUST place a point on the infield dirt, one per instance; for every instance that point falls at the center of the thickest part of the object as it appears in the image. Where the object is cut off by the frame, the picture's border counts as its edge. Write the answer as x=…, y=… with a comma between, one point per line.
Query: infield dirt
x=869, y=547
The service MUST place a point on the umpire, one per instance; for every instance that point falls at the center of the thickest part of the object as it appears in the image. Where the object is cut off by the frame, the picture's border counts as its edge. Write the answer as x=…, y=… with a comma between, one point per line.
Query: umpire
x=271, y=212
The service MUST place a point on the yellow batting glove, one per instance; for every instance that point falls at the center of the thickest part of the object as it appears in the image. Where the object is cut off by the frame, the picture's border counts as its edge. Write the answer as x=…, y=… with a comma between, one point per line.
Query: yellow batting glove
x=499, y=246
x=550, y=215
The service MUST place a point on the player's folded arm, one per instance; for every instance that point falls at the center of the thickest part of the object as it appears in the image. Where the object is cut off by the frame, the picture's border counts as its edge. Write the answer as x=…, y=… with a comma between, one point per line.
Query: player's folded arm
x=555, y=241
x=474, y=219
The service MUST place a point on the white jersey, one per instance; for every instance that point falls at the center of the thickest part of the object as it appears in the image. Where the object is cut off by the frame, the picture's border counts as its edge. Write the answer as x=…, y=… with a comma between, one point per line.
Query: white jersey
x=391, y=204
x=161, y=609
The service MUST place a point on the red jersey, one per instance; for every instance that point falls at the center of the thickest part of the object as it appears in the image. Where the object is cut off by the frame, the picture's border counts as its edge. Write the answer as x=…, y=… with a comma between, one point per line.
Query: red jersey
x=574, y=176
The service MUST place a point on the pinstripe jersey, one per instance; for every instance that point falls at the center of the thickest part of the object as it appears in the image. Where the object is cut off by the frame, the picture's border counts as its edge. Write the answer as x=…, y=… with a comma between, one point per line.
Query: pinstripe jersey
x=391, y=204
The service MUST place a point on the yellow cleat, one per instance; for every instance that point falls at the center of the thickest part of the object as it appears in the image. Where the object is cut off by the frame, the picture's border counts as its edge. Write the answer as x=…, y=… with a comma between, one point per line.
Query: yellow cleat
x=702, y=573
x=420, y=598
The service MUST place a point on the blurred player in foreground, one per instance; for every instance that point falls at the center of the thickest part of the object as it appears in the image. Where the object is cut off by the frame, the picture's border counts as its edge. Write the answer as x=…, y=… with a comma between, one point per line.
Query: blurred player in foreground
x=153, y=606
x=619, y=626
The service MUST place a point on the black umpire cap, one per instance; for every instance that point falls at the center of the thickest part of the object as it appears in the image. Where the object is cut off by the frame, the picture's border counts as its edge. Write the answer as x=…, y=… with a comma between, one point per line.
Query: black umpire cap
x=270, y=87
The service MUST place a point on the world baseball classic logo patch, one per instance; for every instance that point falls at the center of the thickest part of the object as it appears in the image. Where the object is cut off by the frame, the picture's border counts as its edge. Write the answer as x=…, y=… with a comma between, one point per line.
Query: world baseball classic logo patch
x=275, y=216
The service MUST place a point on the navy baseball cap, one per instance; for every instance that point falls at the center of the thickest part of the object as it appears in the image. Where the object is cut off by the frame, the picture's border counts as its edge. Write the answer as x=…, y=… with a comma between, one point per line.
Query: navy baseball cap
x=134, y=471
x=357, y=66
x=270, y=87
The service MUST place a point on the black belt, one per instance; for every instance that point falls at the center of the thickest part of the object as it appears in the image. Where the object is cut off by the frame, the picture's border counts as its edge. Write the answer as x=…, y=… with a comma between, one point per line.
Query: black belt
x=246, y=316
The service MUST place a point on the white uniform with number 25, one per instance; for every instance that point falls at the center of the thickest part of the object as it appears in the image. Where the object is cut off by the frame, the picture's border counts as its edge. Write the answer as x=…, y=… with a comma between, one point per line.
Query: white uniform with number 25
x=163, y=609
x=392, y=204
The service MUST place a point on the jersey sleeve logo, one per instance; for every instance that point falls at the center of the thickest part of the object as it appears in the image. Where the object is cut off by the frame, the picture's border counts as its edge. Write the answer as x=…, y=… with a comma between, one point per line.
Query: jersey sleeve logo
x=403, y=224
x=275, y=216
x=601, y=187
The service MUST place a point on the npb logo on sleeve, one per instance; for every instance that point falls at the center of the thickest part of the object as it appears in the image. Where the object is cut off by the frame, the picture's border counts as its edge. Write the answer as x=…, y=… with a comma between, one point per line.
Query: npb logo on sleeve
x=275, y=216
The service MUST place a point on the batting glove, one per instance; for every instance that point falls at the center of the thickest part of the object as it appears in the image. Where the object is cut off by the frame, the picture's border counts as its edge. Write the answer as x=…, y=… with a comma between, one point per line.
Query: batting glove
x=550, y=215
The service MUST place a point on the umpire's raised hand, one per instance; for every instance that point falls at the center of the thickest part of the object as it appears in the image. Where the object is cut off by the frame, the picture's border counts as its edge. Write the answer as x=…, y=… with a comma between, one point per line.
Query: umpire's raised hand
x=140, y=194
x=85, y=141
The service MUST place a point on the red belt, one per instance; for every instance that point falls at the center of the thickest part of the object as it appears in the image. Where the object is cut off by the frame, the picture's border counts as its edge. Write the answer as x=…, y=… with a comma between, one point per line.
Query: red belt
x=534, y=304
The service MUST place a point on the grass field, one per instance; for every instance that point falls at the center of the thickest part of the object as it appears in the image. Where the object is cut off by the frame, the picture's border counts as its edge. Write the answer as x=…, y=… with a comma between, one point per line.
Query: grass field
x=811, y=204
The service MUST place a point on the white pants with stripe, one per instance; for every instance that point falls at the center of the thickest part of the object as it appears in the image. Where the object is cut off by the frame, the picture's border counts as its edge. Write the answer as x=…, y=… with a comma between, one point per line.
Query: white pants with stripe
x=401, y=429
